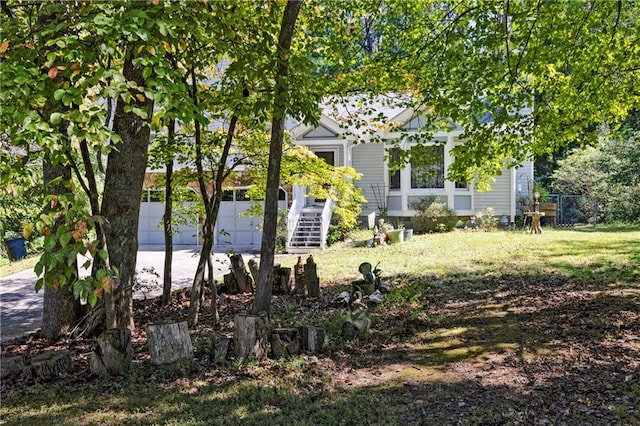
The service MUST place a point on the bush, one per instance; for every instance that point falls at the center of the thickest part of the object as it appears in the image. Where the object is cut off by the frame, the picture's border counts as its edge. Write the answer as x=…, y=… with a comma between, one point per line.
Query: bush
x=434, y=215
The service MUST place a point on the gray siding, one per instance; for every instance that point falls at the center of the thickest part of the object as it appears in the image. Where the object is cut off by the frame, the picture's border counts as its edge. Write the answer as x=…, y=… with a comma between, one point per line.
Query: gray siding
x=498, y=197
x=368, y=159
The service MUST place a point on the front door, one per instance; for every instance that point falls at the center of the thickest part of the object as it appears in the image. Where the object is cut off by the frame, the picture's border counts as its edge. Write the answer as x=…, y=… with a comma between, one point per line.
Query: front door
x=330, y=158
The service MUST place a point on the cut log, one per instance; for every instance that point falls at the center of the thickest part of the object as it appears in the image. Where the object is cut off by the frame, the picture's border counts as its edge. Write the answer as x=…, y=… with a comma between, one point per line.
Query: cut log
x=285, y=342
x=51, y=365
x=255, y=269
x=311, y=278
x=281, y=280
x=169, y=343
x=230, y=284
x=243, y=279
x=11, y=365
x=221, y=350
x=251, y=337
x=313, y=339
x=113, y=354
x=298, y=273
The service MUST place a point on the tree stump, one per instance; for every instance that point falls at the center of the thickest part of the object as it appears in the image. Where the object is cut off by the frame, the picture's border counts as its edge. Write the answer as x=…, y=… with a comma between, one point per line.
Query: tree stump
x=11, y=365
x=169, y=343
x=298, y=274
x=281, y=280
x=51, y=365
x=251, y=337
x=113, y=354
x=221, y=350
x=285, y=342
x=311, y=278
x=313, y=339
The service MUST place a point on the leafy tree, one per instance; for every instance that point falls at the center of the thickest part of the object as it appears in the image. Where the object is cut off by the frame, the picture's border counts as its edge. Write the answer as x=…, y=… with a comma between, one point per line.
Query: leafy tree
x=609, y=172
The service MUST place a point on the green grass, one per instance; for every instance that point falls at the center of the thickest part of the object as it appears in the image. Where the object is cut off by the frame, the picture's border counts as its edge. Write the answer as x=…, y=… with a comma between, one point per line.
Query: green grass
x=10, y=268
x=479, y=328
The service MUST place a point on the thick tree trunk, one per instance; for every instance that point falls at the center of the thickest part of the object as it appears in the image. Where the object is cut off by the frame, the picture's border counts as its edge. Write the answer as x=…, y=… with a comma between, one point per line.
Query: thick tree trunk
x=60, y=309
x=121, y=200
x=167, y=219
x=281, y=97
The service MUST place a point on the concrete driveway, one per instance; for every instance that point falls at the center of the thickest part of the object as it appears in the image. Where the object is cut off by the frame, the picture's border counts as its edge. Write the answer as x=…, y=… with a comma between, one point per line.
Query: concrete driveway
x=21, y=306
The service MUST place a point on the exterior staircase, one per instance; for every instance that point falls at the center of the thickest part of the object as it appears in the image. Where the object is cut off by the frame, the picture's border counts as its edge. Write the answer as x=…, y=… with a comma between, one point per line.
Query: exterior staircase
x=307, y=235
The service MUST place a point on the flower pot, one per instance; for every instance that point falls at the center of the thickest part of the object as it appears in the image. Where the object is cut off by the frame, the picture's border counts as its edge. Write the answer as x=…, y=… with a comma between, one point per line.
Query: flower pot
x=16, y=248
x=408, y=234
x=396, y=236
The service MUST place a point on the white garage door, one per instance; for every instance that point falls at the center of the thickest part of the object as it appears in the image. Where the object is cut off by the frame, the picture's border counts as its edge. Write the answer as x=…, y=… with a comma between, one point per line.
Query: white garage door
x=150, y=231
x=233, y=227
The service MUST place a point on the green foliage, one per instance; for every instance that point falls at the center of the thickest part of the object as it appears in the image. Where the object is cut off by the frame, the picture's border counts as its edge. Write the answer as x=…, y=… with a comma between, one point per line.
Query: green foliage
x=488, y=220
x=434, y=215
x=608, y=172
x=68, y=233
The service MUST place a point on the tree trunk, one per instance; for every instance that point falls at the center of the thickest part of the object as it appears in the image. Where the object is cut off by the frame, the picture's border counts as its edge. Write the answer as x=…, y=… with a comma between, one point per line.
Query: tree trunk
x=167, y=219
x=281, y=98
x=60, y=309
x=121, y=200
x=113, y=354
x=169, y=343
x=198, y=280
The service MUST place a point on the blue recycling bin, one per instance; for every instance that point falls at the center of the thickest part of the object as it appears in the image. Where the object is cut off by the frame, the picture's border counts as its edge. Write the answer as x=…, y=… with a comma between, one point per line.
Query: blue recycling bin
x=16, y=248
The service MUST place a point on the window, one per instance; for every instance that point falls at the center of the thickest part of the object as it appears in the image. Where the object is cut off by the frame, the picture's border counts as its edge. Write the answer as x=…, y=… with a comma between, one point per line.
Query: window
x=427, y=171
x=394, y=174
x=462, y=185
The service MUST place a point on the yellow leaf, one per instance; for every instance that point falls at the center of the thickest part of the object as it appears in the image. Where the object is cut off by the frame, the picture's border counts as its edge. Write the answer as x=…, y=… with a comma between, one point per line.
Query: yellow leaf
x=27, y=230
x=4, y=46
x=140, y=97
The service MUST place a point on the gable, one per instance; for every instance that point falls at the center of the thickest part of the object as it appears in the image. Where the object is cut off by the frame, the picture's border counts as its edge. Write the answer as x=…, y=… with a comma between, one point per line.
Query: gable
x=320, y=132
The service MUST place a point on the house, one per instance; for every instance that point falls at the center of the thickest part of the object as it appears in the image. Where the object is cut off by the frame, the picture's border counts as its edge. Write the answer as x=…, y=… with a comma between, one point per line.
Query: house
x=363, y=146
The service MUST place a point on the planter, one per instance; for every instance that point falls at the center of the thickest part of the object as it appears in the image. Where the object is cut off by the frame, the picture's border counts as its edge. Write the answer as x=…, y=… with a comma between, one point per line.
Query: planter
x=396, y=236
x=408, y=234
x=16, y=248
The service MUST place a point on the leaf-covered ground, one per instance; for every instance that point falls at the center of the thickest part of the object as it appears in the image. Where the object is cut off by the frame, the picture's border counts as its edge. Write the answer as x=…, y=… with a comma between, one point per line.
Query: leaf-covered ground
x=499, y=341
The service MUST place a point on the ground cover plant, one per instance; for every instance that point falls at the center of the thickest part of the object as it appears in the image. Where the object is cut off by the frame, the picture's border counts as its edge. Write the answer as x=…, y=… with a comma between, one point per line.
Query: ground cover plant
x=478, y=328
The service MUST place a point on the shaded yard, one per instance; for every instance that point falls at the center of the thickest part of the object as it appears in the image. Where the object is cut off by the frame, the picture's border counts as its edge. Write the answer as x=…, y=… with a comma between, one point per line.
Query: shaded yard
x=499, y=328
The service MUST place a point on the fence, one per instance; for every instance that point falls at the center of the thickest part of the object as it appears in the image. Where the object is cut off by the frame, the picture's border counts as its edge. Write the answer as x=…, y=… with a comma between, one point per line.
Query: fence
x=573, y=209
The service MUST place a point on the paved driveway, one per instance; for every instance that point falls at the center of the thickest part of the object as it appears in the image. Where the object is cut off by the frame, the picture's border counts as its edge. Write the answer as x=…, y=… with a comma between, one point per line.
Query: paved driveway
x=21, y=306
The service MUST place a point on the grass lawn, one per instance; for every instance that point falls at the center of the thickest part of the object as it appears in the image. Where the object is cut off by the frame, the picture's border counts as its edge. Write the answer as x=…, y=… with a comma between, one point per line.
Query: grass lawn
x=478, y=328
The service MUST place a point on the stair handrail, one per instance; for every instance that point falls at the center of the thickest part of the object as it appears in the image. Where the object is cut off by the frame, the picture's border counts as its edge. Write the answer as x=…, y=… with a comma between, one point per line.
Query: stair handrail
x=297, y=204
x=327, y=212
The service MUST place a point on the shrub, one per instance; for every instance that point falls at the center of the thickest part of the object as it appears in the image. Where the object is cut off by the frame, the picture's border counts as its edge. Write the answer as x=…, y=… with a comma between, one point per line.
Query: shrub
x=434, y=215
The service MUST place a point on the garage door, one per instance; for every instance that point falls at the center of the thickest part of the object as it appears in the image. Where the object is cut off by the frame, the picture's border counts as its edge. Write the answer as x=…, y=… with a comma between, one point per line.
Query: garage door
x=233, y=227
x=150, y=231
